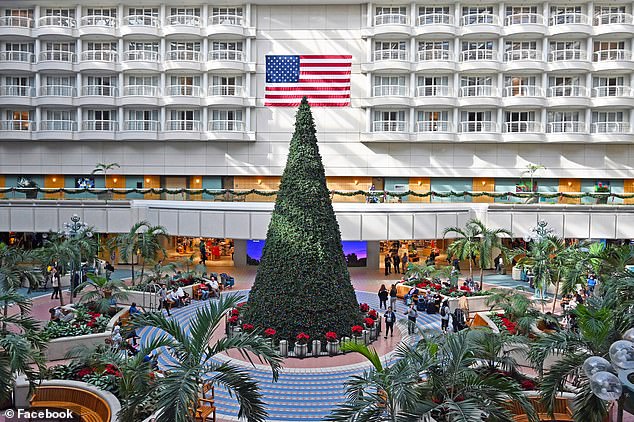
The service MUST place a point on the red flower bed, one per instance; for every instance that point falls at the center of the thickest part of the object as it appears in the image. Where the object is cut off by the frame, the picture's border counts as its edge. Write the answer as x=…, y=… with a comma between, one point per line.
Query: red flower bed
x=112, y=370
x=247, y=327
x=373, y=314
x=302, y=338
x=364, y=307
x=510, y=326
x=331, y=336
x=233, y=319
x=357, y=329
x=368, y=322
x=85, y=371
x=528, y=385
x=235, y=312
x=270, y=332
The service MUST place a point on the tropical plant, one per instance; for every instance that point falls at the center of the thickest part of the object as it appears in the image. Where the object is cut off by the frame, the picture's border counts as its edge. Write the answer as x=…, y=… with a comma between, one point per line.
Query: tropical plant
x=302, y=282
x=531, y=169
x=439, y=377
x=424, y=271
x=496, y=350
x=105, y=168
x=188, y=267
x=101, y=292
x=21, y=345
x=517, y=307
x=192, y=350
x=16, y=266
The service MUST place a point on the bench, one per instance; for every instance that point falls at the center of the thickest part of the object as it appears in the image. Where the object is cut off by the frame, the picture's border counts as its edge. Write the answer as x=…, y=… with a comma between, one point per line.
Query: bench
x=86, y=404
x=206, y=406
x=561, y=411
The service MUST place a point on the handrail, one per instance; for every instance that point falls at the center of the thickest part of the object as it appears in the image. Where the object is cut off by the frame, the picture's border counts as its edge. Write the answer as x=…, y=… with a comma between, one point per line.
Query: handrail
x=107, y=21
x=612, y=54
x=228, y=90
x=433, y=126
x=433, y=91
x=612, y=18
x=435, y=54
x=184, y=90
x=17, y=91
x=183, y=55
x=226, y=125
x=390, y=54
x=482, y=126
x=184, y=125
x=523, y=18
x=141, y=90
x=389, y=90
x=58, y=125
x=16, y=21
x=57, y=56
x=612, y=91
x=566, y=127
x=610, y=127
x=100, y=56
x=479, y=19
x=388, y=126
x=522, y=54
x=100, y=125
x=478, y=91
x=57, y=90
x=522, y=127
x=391, y=19
x=17, y=56
x=566, y=54
x=434, y=19
x=142, y=125
x=141, y=55
x=21, y=125
x=99, y=90
x=569, y=18
x=226, y=19
x=186, y=20
x=567, y=91
x=471, y=55
x=229, y=55
x=523, y=91
x=61, y=21
x=142, y=20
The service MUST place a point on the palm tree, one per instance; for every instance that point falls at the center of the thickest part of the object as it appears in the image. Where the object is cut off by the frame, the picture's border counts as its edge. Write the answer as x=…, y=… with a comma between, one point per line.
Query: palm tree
x=516, y=306
x=102, y=292
x=16, y=266
x=465, y=246
x=193, y=351
x=20, y=345
x=495, y=350
x=144, y=241
x=440, y=378
x=104, y=168
x=422, y=271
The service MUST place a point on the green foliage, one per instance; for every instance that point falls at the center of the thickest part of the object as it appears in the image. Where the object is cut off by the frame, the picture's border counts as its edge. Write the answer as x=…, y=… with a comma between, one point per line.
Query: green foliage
x=302, y=283
x=101, y=292
x=103, y=381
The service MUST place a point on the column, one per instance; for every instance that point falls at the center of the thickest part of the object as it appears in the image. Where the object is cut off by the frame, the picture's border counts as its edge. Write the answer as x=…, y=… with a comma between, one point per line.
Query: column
x=502, y=14
x=412, y=50
x=121, y=48
x=239, y=253
x=79, y=119
x=588, y=83
x=631, y=128
x=204, y=17
x=205, y=119
x=368, y=119
x=79, y=84
x=38, y=118
x=456, y=119
x=589, y=49
x=163, y=83
x=247, y=84
x=247, y=15
x=78, y=14
x=370, y=84
x=38, y=84
x=163, y=118
x=37, y=49
x=370, y=15
x=412, y=85
x=456, y=50
x=412, y=13
x=455, y=84
x=162, y=15
x=162, y=48
x=588, y=119
x=544, y=118
x=205, y=49
x=79, y=47
x=546, y=13
x=500, y=119
x=248, y=50
x=205, y=84
x=412, y=120
x=590, y=13
x=121, y=118
x=121, y=84
x=369, y=42
x=501, y=48
x=457, y=12
x=373, y=249
x=247, y=119
x=36, y=16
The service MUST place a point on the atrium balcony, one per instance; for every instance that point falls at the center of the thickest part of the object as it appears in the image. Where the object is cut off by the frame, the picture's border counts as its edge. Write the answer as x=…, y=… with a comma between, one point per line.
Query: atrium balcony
x=184, y=25
x=98, y=95
x=228, y=60
x=17, y=61
x=434, y=131
x=612, y=60
x=100, y=26
x=230, y=95
x=479, y=60
x=140, y=95
x=388, y=60
x=524, y=60
x=19, y=130
x=227, y=130
x=99, y=60
x=614, y=24
x=17, y=95
x=140, y=60
x=440, y=24
x=435, y=60
x=183, y=60
x=142, y=25
x=61, y=130
x=141, y=130
x=523, y=96
x=230, y=25
x=183, y=95
x=434, y=95
x=57, y=26
x=524, y=24
x=20, y=26
x=570, y=24
x=99, y=130
x=480, y=24
x=478, y=131
x=571, y=59
x=183, y=130
x=567, y=96
x=612, y=96
x=478, y=95
x=391, y=23
x=56, y=60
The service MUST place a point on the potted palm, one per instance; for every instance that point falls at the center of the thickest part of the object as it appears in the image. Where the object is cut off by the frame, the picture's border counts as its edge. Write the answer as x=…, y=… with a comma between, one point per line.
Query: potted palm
x=301, y=345
x=602, y=189
x=332, y=343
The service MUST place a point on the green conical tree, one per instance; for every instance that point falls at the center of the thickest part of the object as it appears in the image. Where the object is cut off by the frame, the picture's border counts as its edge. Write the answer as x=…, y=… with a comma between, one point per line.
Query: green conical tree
x=302, y=283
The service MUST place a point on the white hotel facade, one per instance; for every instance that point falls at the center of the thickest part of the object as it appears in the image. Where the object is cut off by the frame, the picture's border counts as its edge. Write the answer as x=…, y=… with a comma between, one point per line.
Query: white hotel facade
x=445, y=96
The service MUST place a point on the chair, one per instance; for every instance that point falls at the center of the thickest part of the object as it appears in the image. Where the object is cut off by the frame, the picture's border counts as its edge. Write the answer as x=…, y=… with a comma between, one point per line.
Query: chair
x=206, y=406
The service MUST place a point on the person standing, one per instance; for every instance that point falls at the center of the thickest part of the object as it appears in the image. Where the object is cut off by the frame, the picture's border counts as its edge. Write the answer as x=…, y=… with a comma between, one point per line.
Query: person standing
x=390, y=319
x=393, y=294
x=412, y=314
x=404, y=261
x=444, y=317
x=55, y=282
x=388, y=264
x=592, y=282
x=397, y=262
x=203, y=252
x=383, y=294
x=162, y=294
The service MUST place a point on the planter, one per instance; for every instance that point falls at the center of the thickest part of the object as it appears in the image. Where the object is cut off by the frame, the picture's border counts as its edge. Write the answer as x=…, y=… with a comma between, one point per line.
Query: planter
x=358, y=339
x=332, y=347
x=301, y=350
x=373, y=332
x=233, y=330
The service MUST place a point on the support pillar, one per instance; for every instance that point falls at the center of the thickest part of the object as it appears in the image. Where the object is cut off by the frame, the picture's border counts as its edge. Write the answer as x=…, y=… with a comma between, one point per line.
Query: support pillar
x=373, y=254
x=239, y=253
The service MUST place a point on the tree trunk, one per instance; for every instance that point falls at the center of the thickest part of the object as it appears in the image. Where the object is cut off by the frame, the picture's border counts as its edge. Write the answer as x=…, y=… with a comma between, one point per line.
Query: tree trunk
x=470, y=266
x=5, y=311
x=132, y=269
x=481, y=278
x=556, y=292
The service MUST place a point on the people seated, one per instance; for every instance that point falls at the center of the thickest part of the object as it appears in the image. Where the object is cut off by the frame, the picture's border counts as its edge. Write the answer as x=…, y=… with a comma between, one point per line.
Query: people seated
x=67, y=315
x=134, y=311
x=213, y=286
x=204, y=290
x=173, y=299
x=55, y=314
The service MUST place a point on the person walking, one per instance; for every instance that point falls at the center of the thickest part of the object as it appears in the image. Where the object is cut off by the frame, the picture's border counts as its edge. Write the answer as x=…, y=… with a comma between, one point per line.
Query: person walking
x=162, y=295
x=397, y=262
x=412, y=314
x=383, y=294
x=55, y=283
x=393, y=297
x=498, y=264
x=404, y=262
x=444, y=317
x=203, y=252
x=390, y=319
x=388, y=264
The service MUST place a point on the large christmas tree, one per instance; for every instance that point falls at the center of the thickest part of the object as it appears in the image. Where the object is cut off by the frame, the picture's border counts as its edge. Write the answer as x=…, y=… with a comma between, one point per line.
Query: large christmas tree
x=302, y=283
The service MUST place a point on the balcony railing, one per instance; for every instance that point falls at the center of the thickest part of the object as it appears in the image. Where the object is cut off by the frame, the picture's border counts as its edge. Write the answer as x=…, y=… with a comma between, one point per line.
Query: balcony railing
x=142, y=20
x=433, y=91
x=16, y=21
x=524, y=18
x=141, y=56
x=21, y=125
x=479, y=18
x=612, y=18
x=566, y=54
x=523, y=91
x=228, y=90
x=433, y=126
x=473, y=55
x=17, y=56
x=106, y=21
x=141, y=90
x=478, y=91
x=569, y=18
x=184, y=125
x=183, y=55
x=142, y=125
x=57, y=90
x=380, y=55
x=228, y=55
x=434, y=19
x=60, y=21
x=567, y=91
x=389, y=90
x=435, y=54
x=99, y=90
x=522, y=127
x=612, y=91
x=58, y=125
x=610, y=55
x=566, y=127
x=226, y=125
x=57, y=56
x=236, y=20
x=610, y=127
x=185, y=20
x=100, y=125
x=184, y=90
x=100, y=56
x=388, y=126
x=390, y=19
x=484, y=126
x=517, y=55
x=17, y=91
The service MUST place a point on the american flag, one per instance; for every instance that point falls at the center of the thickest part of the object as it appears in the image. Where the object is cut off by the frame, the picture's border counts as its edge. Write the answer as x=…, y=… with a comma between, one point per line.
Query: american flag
x=323, y=79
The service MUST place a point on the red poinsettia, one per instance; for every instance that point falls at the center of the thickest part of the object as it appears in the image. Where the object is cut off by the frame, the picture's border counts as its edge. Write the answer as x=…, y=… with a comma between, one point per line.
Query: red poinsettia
x=302, y=338
x=247, y=327
x=112, y=370
x=233, y=320
x=241, y=304
x=373, y=314
x=528, y=385
x=269, y=332
x=422, y=285
x=364, y=307
x=357, y=329
x=437, y=286
x=331, y=336
x=235, y=312
x=84, y=371
x=369, y=322
x=510, y=326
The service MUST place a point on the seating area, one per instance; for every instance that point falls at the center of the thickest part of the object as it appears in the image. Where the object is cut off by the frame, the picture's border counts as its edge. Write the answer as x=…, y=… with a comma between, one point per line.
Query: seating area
x=561, y=411
x=206, y=409
x=85, y=404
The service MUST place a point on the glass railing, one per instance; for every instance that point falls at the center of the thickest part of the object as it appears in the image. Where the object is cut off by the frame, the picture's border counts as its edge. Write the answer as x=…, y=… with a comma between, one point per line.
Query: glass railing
x=389, y=126
x=567, y=91
x=99, y=90
x=523, y=91
x=58, y=125
x=100, y=56
x=183, y=55
x=229, y=55
x=433, y=91
x=475, y=55
x=17, y=56
x=184, y=90
x=184, y=125
x=141, y=90
x=612, y=18
x=225, y=19
x=57, y=90
x=16, y=21
x=57, y=56
x=17, y=125
x=523, y=18
x=60, y=21
x=390, y=19
x=186, y=20
x=390, y=55
x=17, y=91
x=106, y=21
x=566, y=127
x=433, y=126
x=566, y=54
x=141, y=55
x=389, y=90
x=612, y=91
x=229, y=90
x=609, y=55
x=516, y=55
x=434, y=19
x=479, y=19
x=434, y=54
x=226, y=125
x=522, y=127
x=478, y=91
x=610, y=127
x=142, y=125
x=569, y=18
x=483, y=126
x=100, y=125
x=142, y=20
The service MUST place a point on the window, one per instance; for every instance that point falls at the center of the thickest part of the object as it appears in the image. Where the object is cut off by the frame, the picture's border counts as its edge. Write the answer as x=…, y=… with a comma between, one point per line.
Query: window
x=476, y=121
x=101, y=120
x=184, y=85
x=184, y=120
x=230, y=120
x=19, y=52
x=189, y=16
x=139, y=11
x=390, y=15
x=227, y=50
x=68, y=13
x=18, y=18
x=432, y=121
x=184, y=51
x=520, y=121
x=100, y=85
x=565, y=86
x=520, y=86
x=433, y=86
x=566, y=50
x=100, y=51
x=63, y=86
x=609, y=122
x=59, y=17
x=389, y=121
x=226, y=85
x=185, y=11
x=143, y=46
x=476, y=86
x=142, y=16
x=521, y=50
x=226, y=16
x=390, y=50
x=59, y=51
x=564, y=121
x=610, y=50
x=477, y=50
x=18, y=86
x=389, y=85
x=59, y=120
x=472, y=15
x=609, y=87
x=142, y=120
x=429, y=15
x=100, y=17
x=604, y=15
x=433, y=50
x=18, y=120
x=560, y=15
x=516, y=15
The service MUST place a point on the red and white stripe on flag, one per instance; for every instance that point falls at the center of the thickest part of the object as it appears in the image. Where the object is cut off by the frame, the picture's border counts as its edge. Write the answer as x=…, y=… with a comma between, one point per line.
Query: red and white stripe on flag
x=323, y=79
